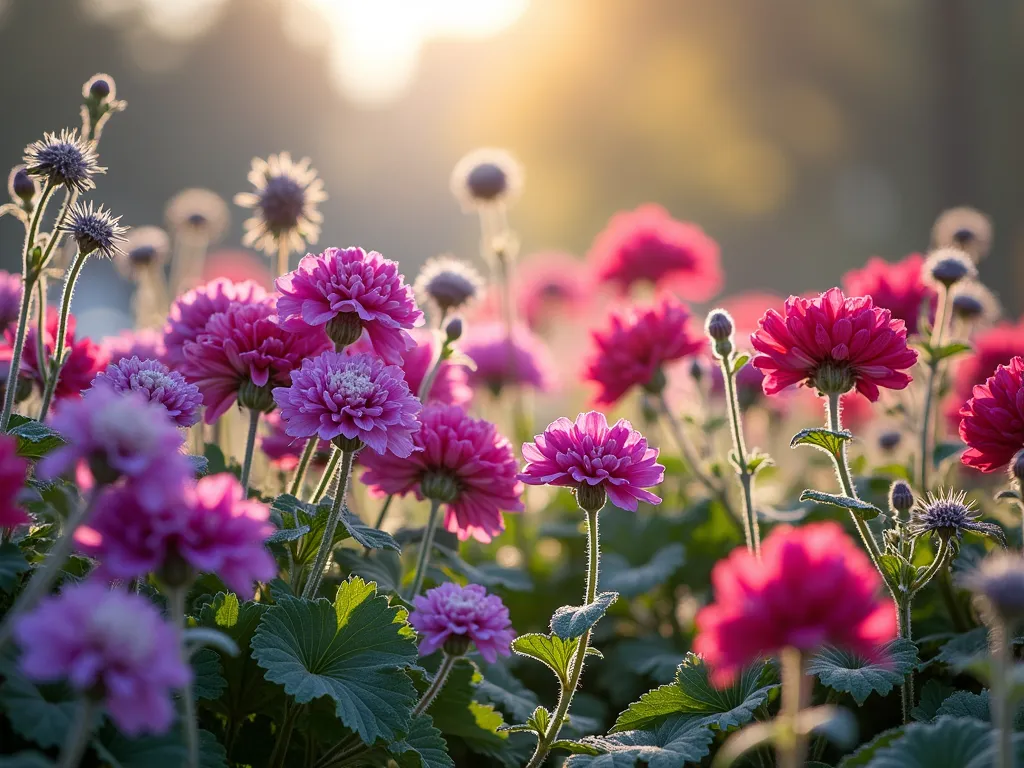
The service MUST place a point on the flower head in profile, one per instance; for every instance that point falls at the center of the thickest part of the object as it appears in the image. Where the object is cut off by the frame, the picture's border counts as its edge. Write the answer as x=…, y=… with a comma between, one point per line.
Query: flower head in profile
x=284, y=199
x=284, y=451
x=447, y=283
x=107, y=643
x=10, y=299
x=833, y=343
x=974, y=303
x=451, y=384
x=992, y=421
x=596, y=460
x=158, y=384
x=63, y=159
x=143, y=343
x=896, y=286
x=812, y=587
x=520, y=361
x=968, y=229
x=552, y=285
x=95, y=230
x=459, y=461
x=85, y=357
x=635, y=347
x=948, y=266
x=947, y=516
x=242, y=354
x=13, y=469
x=454, y=618
x=486, y=177
x=649, y=246
x=191, y=311
x=198, y=214
x=341, y=397
x=346, y=291
x=147, y=249
x=998, y=585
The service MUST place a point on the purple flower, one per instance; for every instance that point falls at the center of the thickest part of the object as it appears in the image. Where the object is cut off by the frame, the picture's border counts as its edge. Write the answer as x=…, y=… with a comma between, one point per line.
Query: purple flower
x=10, y=299
x=143, y=343
x=158, y=384
x=347, y=290
x=190, y=313
x=592, y=457
x=525, y=361
x=354, y=397
x=112, y=435
x=452, y=616
x=109, y=643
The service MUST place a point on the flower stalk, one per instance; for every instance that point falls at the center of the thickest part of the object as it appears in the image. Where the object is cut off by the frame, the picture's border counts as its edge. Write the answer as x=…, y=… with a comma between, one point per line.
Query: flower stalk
x=300, y=470
x=791, y=744
x=1002, y=714
x=436, y=684
x=323, y=554
x=57, y=363
x=927, y=437
x=325, y=479
x=176, y=605
x=425, y=549
x=250, y=445
x=77, y=739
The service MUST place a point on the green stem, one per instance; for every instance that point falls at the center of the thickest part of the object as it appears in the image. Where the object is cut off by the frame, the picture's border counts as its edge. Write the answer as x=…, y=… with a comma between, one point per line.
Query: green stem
x=284, y=735
x=1002, y=717
x=568, y=688
x=176, y=606
x=938, y=334
x=425, y=549
x=323, y=554
x=686, y=447
x=250, y=445
x=283, y=254
x=791, y=746
x=41, y=328
x=56, y=234
x=300, y=470
x=436, y=685
x=750, y=525
x=57, y=363
x=904, y=614
x=325, y=478
x=19, y=345
x=77, y=739
x=384, y=511
x=938, y=562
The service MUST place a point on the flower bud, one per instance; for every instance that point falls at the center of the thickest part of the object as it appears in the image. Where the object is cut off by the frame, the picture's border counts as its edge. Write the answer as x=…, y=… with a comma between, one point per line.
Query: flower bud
x=888, y=441
x=457, y=645
x=833, y=378
x=453, y=331
x=591, y=497
x=487, y=181
x=948, y=266
x=438, y=486
x=175, y=572
x=347, y=444
x=657, y=383
x=901, y=497
x=343, y=329
x=99, y=89
x=697, y=371
x=256, y=398
x=998, y=585
x=23, y=186
x=719, y=325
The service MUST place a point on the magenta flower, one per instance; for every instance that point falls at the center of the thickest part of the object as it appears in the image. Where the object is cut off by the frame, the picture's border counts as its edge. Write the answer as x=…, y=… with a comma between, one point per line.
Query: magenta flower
x=158, y=384
x=589, y=455
x=12, y=479
x=634, y=349
x=451, y=617
x=833, y=343
x=283, y=450
x=523, y=361
x=10, y=299
x=451, y=385
x=111, y=435
x=85, y=358
x=649, y=246
x=460, y=461
x=242, y=353
x=110, y=643
x=143, y=343
x=897, y=287
x=992, y=422
x=992, y=347
x=356, y=397
x=348, y=289
x=553, y=285
x=191, y=311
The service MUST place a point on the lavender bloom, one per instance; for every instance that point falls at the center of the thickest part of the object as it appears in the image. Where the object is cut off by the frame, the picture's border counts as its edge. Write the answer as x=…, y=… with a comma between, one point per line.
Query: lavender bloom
x=95, y=229
x=158, y=384
x=453, y=617
x=65, y=160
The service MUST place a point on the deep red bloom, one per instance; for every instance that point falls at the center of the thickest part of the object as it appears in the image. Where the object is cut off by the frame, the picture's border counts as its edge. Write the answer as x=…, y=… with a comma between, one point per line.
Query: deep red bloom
x=648, y=245
x=833, y=343
x=993, y=347
x=12, y=480
x=85, y=361
x=993, y=419
x=896, y=286
x=637, y=344
x=812, y=587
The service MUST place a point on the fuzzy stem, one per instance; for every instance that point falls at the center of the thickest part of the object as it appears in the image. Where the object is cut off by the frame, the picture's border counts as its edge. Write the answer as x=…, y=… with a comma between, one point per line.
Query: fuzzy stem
x=250, y=444
x=19, y=345
x=56, y=234
x=300, y=470
x=176, y=607
x=686, y=447
x=41, y=327
x=904, y=613
x=57, y=363
x=325, y=478
x=568, y=689
x=283, y=253
x=938, y=334
x=77, y=739
x=428, y=381
x=383, y=511
x=1002, y=717
x=750, y=525
x=436, y=685
x=425, y=549
x=791, y=746
x=321, y=563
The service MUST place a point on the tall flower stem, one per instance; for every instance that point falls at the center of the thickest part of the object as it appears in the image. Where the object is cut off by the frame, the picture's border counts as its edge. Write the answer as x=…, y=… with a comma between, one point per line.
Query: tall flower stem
x=300, y=470
x=425, y=549
x=325, y=478
x=750, y=525
x=77, y=739
x=283, y=253
x=41, y=326
x=926, y=448
x=250, y=445
x=176, y=607
x=323, y=554
x=46, y=576
x=791, y=745
x=687, y=448
x=436, y=685
x=1002, y=716
x=383, y=511
x=59, y=343
x=568, y=687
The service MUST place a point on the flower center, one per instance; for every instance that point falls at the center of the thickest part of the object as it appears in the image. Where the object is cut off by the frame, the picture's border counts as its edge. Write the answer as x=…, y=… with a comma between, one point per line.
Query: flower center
x=350, y=383
x=154, y=380
x=282, y=202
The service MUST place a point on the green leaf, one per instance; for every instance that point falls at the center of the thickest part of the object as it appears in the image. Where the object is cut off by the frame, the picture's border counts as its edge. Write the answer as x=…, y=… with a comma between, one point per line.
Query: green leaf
x=352, y=651
x=963, y=649
x=847, y=673
x=571, y=621
x=944, y=451
x=863, y=509
x=823, y=439
x=758, y=461
x=12, y=565
x=692, y=694
x=424, y=747
x=500, y=688
x=933, y=694
x=936, y=354
x=363, y=534
x=282, y=535
x=456, y=714
x=619, y=576
x=207, y=680
x=489, y=574
x=898, y=571
x=382, y=567
x=1008, y=494
x=35, y=439
x=967, y=704
x=575, y=747
x=739, y=363
x=26, y=760
x=946, y=743
x=550, y=650
x=674, y=743
x=40, y=714
x=865, y=753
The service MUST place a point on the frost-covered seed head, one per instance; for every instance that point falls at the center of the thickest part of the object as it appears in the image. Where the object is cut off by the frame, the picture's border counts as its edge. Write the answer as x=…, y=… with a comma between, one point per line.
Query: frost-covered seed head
x=64, y=159
x=95, y=229
x=486, y=177
x=948, y=516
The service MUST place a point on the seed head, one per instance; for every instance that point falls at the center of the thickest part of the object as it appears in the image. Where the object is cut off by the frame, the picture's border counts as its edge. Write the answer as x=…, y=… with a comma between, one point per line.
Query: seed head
x=22, y=186
x=198, y=213
x=968, y=229
x=65, y=160
x=486, y=177
x=95, y=229
x=147, y=248
x=888, y=441
x=448, y=283
x=948, y=266
x=948, y=516
x=998, y=585
x=973, y=302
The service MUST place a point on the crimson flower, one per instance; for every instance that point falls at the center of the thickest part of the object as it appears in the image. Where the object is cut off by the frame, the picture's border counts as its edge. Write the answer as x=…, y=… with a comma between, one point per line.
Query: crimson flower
x=896, y=286
x=992, y=421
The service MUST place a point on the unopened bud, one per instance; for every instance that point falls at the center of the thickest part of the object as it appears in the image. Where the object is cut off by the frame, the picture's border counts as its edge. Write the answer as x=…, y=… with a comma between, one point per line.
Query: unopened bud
x=23, y=186
x=697, y=371
x=901, y=497
x=457, y=645
x=657, y=382
x=888, y=441
x=719, y=325
x=255, y=398
x=344, y=329
x=591, y=497
x=438, y=486
x=347, y=444
x=453, y=331
x=99, y=89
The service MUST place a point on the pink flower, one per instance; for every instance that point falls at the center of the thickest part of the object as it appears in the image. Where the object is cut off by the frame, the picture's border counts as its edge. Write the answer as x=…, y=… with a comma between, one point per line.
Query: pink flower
x=283, y=450
x=242, y=353
x=85, y=360
x=523, y=362
x=191, y=311
x=552, y=285
x=158, y=384
x=590, y=454
x=345, y=289
x=143, y=343
x=993, y=347
x=833, y=343
x=113, y=435
x=896, y=286
x=351, y=396
x=632, y=351
x=993, y=419
x=452, y=383
x=10, y=299
x=12, y=479
x=460, y=461
x=452, y=616
x=107, y=642
x=812, y=587
x=649, y=246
